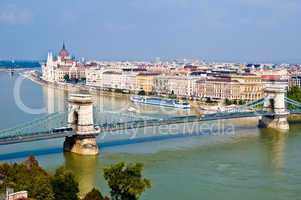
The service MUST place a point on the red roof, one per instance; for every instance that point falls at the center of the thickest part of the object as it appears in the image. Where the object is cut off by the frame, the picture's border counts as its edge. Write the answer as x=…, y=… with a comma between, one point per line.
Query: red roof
x=271, y=77
x=64, y=53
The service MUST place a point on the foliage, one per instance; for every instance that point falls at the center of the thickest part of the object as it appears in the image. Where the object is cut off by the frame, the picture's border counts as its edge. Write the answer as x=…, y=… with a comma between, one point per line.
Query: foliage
x=208, y=100
x=126, y=181
x=152, y=93
x=66, y=77
x=119, y=90
x=228, y=102
x=294, y=93
x=172, y=95
x=241, y=102
x=234, y=102
x=94, y=194
x=142, y=93
x=27, y=176
x=64, y=185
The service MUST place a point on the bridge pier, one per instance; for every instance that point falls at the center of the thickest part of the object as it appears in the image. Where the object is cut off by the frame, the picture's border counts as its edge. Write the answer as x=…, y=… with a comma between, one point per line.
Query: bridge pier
x=278, y=122
x=80, y=119
x=275, y=104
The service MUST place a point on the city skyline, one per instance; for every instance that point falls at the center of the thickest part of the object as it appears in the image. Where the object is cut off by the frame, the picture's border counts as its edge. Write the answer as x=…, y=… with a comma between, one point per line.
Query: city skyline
x=236, y=30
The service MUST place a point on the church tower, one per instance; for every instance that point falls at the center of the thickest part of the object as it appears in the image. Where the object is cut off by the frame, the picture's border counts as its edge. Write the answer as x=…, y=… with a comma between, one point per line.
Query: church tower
x=49, y=58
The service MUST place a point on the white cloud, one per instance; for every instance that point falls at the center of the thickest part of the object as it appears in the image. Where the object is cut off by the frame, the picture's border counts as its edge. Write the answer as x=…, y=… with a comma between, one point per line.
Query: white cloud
x=12, y=15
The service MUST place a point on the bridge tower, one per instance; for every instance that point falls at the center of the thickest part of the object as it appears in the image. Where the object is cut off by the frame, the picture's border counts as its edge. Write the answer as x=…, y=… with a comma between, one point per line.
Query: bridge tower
x=275, y=105
x=80, y=119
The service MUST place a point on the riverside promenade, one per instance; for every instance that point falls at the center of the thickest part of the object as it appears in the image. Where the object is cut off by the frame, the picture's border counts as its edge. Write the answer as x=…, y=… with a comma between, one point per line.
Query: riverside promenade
x=35, y=77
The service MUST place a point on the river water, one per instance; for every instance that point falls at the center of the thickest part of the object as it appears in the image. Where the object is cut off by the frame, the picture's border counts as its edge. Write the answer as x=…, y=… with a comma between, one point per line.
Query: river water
x=242, y=162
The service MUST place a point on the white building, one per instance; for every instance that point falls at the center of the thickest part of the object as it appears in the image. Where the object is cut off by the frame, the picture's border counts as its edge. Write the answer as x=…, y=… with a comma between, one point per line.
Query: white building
x=55, y=69
x=112, y=78
x=181, y=86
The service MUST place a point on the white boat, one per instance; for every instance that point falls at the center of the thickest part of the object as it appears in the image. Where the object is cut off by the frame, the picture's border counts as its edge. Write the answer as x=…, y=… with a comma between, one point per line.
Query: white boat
x=131, y=109
x=160, y=102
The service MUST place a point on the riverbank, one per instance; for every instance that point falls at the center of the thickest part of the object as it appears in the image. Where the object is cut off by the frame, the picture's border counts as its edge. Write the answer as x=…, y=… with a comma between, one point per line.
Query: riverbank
x=293, y=118
x=263, y=157
x=36, y=78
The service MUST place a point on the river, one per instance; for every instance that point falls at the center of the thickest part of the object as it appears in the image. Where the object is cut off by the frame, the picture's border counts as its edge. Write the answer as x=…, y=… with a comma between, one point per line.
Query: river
x=243, y=163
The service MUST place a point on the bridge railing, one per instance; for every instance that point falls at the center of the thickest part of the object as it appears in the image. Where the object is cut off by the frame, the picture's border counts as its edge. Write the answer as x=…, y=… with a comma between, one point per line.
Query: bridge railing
x=41, y=125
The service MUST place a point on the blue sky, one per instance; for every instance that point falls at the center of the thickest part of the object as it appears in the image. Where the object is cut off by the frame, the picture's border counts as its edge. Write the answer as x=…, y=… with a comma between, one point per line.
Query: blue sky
x=224, y=30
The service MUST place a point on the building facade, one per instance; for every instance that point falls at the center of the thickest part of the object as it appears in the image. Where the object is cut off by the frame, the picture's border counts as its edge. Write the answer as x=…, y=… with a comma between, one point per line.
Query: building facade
x=146, y=81
x=57, y=69
x=181, y=86
x=295, y=80
x=236, y=87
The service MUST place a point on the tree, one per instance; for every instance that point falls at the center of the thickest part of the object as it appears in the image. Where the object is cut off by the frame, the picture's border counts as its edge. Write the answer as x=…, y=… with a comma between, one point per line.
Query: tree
x=126, y=181
x=208, y=100
x=228, y=102
x=241, y=102
x=94, y=194
x=64, y=185
x=294, y=93
x=119, y=90
x=28, y=176
x=66, y=77
x=172, y=95
x=142, y=92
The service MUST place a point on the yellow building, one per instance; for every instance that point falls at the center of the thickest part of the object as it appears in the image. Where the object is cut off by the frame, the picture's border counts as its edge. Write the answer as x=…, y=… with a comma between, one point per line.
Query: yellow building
x=234, y=87
x=218, y=88
x=251, y=86
x=146, y=81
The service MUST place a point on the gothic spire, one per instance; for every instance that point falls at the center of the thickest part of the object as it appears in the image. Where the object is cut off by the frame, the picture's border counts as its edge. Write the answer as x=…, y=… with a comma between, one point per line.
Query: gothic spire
x=64, y=45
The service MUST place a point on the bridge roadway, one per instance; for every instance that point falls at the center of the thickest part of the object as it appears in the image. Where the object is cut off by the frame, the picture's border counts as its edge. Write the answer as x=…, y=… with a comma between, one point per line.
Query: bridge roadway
x=110, y=127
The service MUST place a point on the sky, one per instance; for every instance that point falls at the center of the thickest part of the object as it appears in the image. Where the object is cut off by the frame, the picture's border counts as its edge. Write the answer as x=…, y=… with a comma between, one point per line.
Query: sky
x=220, y=30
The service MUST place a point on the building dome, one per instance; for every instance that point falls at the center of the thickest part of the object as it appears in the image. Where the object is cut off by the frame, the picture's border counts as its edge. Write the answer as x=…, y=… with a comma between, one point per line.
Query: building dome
x=64, y=53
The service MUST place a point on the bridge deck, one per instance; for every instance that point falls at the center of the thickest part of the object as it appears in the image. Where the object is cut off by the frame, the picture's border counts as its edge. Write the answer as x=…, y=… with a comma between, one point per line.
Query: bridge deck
x=20, y=134
x=110, y=127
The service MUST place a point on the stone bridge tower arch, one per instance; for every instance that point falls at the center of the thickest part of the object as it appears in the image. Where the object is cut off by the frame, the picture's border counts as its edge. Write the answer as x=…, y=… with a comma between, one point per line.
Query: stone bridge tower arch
x=80, y=116
x=80, y=119
x=274, y=104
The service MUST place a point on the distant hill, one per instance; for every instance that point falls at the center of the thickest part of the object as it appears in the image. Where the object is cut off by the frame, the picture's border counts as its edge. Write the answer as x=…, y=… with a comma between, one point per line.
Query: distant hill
x=19, y=64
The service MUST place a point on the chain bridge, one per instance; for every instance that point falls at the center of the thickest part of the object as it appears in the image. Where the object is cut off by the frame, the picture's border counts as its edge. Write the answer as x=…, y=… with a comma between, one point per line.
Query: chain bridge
x=80, y=127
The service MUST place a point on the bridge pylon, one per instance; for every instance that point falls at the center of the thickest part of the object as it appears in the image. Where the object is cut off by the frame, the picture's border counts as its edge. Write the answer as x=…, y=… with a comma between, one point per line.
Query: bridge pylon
x=275, y=105
x=80, y=119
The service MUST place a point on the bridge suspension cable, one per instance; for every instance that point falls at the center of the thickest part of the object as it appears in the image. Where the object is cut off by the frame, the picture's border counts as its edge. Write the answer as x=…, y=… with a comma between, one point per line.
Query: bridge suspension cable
x=45, y=123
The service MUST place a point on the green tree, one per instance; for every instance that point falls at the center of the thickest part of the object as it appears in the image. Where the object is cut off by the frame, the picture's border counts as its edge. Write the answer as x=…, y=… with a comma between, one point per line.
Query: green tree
x=294, y=93
x=64, y=185
x=208, y=100
x=28, y=176
x=142, y=92
x=119, y=90
x=126, y=181
x=241, y=102
x=172, y=95
x=228, y=102
x=66, y=77
x=94, y=194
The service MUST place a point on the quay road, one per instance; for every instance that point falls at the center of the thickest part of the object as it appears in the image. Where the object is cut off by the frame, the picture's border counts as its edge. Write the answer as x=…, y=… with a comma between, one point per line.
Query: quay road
x=117, y=126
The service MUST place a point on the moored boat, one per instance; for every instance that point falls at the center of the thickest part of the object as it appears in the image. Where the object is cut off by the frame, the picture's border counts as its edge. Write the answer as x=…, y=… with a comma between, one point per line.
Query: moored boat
x=160, y=102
